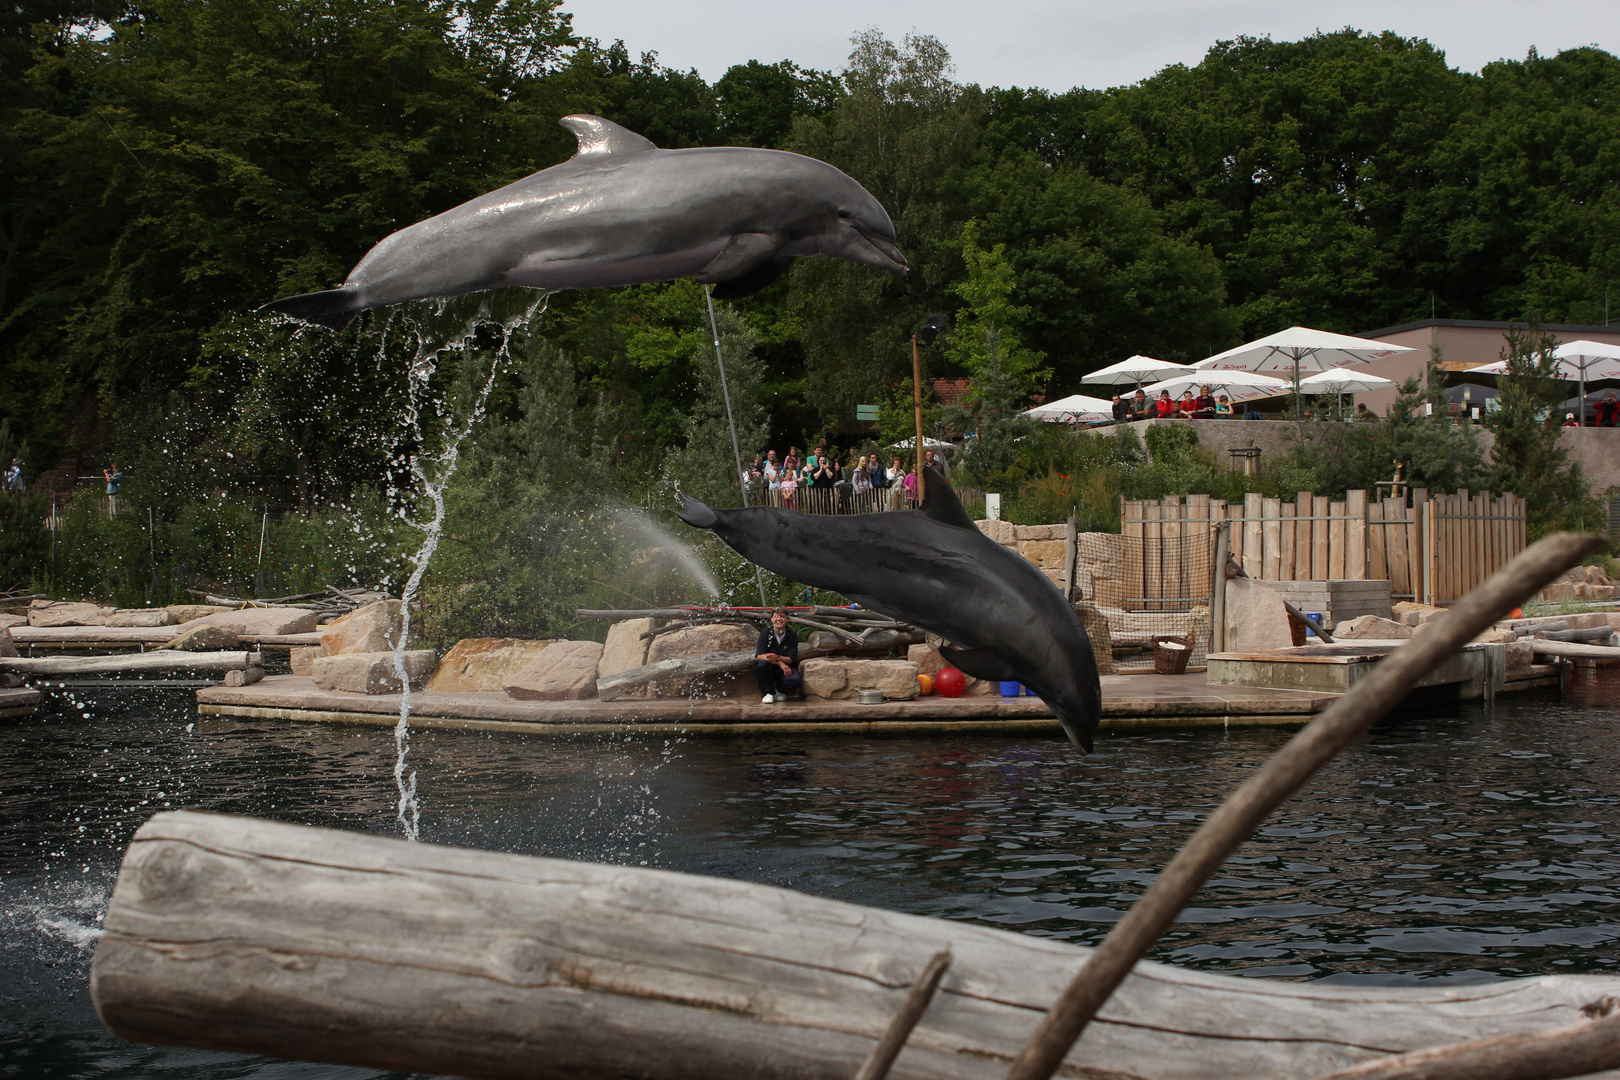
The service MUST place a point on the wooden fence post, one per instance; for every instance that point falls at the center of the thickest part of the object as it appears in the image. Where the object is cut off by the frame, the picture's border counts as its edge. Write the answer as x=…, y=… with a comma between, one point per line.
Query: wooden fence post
x=1355, y=551
x=1304, y=529
x=1319, y=537
x=1271, y=539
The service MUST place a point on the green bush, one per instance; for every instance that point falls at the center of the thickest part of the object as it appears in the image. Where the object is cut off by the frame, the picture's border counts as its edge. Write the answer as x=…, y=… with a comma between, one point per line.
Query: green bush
x=25, y=539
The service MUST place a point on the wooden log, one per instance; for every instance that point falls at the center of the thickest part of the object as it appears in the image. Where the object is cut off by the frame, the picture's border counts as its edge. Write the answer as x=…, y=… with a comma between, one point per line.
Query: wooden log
x=1319, y=537
x=1398, y=540
x=131, y=663
x=1253, y=543
x=1133, y=554
x=267, y=938
x=1287, y=542
x=1573, y=649
x=1595, y=633
x=1304, y=530
x=244, y=676
x=1355, y=540
x=1271, y=539
x=1337, y=541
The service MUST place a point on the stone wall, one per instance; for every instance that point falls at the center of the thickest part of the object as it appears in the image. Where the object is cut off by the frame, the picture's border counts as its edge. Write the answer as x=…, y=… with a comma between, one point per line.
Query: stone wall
x=1040, y=544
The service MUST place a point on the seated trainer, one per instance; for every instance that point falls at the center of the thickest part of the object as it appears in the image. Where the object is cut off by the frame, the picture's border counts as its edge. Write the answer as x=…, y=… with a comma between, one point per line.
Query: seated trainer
x=776, y=659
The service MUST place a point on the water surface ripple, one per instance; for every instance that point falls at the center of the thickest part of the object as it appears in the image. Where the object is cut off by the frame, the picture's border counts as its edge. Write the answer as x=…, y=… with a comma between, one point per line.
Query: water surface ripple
x=1464, y=847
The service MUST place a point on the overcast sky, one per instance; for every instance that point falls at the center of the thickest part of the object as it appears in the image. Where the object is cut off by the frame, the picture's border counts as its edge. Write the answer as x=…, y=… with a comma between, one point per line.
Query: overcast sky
x=1057, y=45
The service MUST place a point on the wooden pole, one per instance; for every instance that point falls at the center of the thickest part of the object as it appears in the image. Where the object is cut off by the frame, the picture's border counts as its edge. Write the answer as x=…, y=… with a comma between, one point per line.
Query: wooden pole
x=1346, y=720
x=1217, y=600
x=894, y=1039
x=916, y=401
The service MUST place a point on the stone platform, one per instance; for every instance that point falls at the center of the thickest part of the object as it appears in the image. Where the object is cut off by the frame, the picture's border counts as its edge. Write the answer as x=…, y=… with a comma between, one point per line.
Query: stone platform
x=1129, y=702
x=1336, y=668
x=18, y=703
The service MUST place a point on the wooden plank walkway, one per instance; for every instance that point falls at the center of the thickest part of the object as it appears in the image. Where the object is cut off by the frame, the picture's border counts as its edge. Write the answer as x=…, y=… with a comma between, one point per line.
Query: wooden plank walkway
x=15, y=704
x=1129, y=701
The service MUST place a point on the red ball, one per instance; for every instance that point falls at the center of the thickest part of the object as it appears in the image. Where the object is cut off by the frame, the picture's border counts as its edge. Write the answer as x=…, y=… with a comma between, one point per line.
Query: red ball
x=949, y=682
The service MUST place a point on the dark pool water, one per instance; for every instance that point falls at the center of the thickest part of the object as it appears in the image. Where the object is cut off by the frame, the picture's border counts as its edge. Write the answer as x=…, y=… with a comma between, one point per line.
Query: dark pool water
x=1469, y=846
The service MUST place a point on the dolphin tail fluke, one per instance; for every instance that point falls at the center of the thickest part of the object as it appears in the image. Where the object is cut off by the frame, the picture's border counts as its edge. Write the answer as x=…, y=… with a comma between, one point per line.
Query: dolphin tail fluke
x=334, y=308
x=698, y=515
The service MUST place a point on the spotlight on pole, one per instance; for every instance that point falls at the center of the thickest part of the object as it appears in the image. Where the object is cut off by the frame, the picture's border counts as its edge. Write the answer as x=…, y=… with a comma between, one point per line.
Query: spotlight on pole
x=931, y=329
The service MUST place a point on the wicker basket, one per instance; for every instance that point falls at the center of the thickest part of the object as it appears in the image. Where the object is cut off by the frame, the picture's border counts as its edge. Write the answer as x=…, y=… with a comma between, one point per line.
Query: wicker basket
x=1171, y=661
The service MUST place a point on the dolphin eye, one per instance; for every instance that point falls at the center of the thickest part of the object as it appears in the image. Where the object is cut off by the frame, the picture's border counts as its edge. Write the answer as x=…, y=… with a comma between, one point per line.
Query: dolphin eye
x=844, y=214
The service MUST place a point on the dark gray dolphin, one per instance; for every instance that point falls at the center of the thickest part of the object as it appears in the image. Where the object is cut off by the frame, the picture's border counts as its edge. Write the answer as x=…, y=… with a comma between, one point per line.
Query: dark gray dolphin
x=621, y=212
x=933, y=568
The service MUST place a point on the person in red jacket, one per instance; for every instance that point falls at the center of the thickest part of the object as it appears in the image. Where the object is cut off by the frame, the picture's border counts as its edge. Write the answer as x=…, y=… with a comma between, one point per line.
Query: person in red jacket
x=1165, y=408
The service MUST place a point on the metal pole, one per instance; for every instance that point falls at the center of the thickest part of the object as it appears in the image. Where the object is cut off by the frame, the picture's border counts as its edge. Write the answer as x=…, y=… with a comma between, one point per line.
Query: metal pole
x=916, y=401
x=736, y=448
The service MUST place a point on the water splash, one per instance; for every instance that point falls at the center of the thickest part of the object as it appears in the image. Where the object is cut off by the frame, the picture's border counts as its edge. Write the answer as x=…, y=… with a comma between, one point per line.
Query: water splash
x=450, y=328
x=643, y=529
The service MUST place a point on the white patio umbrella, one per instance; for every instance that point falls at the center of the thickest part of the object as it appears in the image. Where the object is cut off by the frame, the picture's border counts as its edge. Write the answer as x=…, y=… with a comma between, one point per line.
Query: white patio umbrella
x=1134, y=372
x=1074, y=409
x=1300, y=349
x=928, y=444
x=1340, y=381
x=1578, y=361
x=1237, y=385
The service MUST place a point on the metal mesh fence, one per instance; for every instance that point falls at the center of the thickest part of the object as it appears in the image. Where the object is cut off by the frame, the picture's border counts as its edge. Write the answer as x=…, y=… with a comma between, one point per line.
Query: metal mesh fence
x=1136, y=589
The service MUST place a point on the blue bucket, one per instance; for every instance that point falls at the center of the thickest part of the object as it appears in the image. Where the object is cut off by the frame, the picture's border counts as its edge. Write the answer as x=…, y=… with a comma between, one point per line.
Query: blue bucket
x=1011, y=689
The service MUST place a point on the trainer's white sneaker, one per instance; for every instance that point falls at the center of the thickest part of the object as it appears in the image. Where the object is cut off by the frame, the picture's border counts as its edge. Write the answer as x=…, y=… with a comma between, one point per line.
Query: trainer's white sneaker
x=767, y=699
x=780, y=698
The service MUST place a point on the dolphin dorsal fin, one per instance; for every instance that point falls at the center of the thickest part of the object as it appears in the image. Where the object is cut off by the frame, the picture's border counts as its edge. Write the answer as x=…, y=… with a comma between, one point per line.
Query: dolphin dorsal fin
x=940, y=501
x=599, y=138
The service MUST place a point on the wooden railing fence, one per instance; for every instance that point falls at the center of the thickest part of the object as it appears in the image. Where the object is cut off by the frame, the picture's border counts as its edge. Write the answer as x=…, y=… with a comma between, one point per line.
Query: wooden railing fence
x=1433, y=549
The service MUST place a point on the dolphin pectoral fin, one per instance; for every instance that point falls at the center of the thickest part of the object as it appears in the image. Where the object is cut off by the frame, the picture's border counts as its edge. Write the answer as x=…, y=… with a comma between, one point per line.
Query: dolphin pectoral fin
x=753, y=281
x=746, y=254
x=697, y=515
x=334, y=308
x=599, y=138
x=941, y=504
x=979, y=663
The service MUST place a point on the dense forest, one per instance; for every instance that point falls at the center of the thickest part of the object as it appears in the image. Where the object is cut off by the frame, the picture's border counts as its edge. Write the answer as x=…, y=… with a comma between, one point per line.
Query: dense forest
x=168, y=166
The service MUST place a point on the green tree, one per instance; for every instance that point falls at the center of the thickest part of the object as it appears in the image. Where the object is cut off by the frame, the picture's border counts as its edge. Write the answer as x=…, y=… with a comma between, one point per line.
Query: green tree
x=986, y=331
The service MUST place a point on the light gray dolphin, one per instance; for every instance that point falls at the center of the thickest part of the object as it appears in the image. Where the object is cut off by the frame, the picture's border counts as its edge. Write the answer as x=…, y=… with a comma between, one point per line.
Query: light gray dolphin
x=622, y=212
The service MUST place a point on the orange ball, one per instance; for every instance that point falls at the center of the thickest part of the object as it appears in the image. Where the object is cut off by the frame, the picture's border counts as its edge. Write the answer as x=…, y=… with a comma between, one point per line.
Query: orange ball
x=925, y=685
x=1516, y=613
x=950, y=682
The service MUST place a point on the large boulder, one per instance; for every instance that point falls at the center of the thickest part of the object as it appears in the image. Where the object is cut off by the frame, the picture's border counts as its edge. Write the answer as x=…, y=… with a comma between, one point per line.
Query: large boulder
x=184, y=613
x=1412, y=614
x=8, y=619
x=263, y=621
x=140, y=617
x=1372, y=627
x=1255, y=618
x=203, y=637
x=564, y=671
x=371, y=673
x=300, y=659
x=1095, y=624
x=840, y=677
x=1521, y=657
x=63, y=613
x=625, y=648
x=481, y=665
x=372, y=628
x=697, y=640
x=6, y=647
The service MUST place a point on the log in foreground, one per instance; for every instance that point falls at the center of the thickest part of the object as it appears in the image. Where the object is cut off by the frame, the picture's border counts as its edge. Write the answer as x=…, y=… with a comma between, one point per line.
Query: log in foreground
x=262, y=937
x=132, y=663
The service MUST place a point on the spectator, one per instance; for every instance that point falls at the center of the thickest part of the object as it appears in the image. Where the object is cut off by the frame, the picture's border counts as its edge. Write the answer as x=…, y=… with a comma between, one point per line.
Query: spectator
x=860, y=477
x=1223, y=408
x=1164, y=408
x=929, y=462
x=1187, y=406
x=879, y=475
x=792, y=463
x=115, y=477
x=776, y=659
x=790, y=489
x=1570, y=421
x=909, y=487
x=1364, y=414
x=1608, y=411
x=14, y=476
x=1139, y=404
x=1122, y=410
x=1204, y=407
x=825, y=474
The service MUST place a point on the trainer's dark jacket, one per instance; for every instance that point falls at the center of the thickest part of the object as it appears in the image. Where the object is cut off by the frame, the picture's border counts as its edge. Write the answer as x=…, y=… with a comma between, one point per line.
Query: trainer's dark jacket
x=788, y=647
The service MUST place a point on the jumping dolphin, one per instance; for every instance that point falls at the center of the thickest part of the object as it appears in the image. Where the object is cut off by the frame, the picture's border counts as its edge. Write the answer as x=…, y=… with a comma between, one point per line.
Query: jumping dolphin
x=933, y=568
x=621, y=212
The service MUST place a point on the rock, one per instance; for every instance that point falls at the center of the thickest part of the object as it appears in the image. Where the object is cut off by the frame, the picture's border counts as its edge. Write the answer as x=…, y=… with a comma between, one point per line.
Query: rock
x=1095, y=624
x=1411, y=614
x=1557, y=591
x=1099, y=568
x=625, y=648
x=482, y=665
x=373, y=628
x=839, y=677
x=1520, y=656
x=1600, y=592
x=1494, y=636
x=1373, y=627
x=1046, y=554
x=1255, y=618
x=263, y=622
x=927, y=658
x=301, y=658
x=140, y=617
x=204, y=637
x=698, y=640
x=184, y=613
x=999, y=531
x=62, y=613
x=370, y=673
x=1596, y=575
x=9, y=620
x=564, y=671
x=6, y=647
x=1022, y=533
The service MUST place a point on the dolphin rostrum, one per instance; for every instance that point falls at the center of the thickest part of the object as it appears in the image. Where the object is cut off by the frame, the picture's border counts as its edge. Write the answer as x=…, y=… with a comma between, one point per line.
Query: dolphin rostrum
x=933, y=568
x=621, y=212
